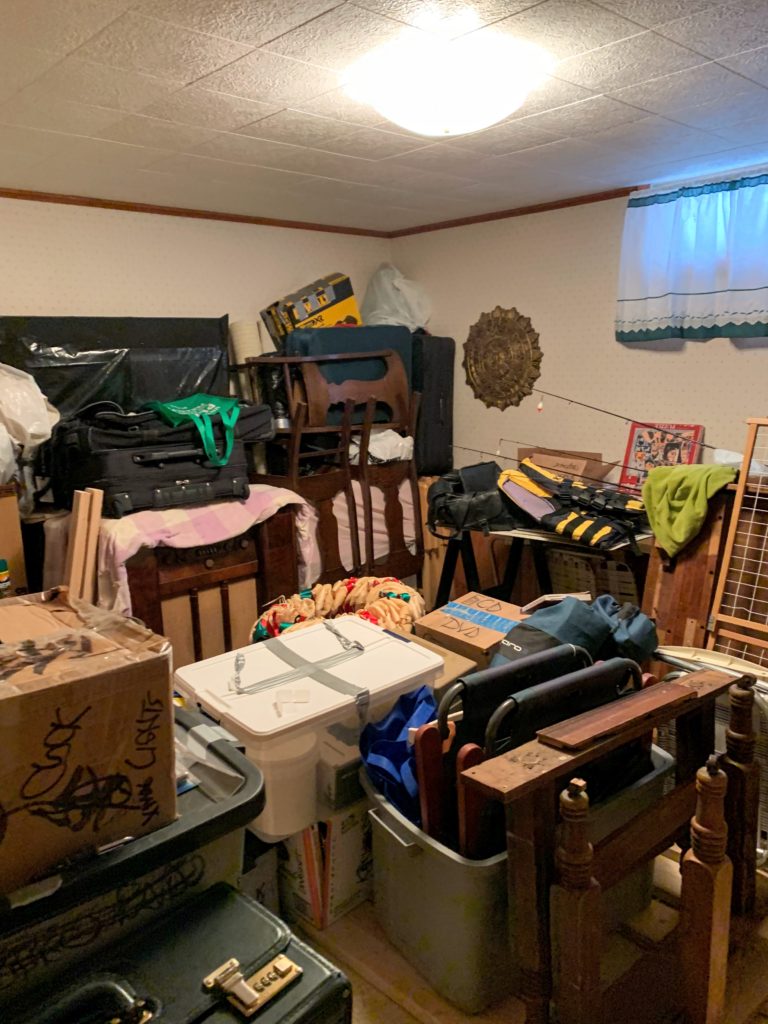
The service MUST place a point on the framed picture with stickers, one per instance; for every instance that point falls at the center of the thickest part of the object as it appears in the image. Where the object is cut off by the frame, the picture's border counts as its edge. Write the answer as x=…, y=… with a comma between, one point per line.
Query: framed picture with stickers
x=658, y=444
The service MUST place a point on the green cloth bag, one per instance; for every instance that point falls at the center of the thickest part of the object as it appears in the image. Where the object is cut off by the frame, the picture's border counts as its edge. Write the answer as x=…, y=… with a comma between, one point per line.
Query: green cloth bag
x=202, y=410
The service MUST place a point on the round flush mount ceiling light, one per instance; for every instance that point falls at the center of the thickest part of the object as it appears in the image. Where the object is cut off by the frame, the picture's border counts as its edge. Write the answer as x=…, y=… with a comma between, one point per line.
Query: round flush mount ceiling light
x=437, y=82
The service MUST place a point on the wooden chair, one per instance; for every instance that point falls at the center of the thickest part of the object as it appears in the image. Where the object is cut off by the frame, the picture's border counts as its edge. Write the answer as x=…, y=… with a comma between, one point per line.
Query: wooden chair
x=362, y=406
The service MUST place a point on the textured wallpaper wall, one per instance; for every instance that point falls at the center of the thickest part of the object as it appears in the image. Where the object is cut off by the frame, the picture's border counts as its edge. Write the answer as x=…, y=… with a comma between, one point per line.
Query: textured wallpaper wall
x=77, y=261
x=560, y=269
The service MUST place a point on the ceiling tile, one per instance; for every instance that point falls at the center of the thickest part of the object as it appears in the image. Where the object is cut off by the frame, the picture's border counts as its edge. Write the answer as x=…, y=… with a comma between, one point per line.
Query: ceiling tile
x=296, y=128
x=549, y=95
x=505, y=138
x=83, y=82
x=568, y=27
x=722, y=30
x=56, y=26
x=207, y=109
x=20, y=65
x=670, y=93
x=338, y=105
x=335, y=40
x=627, y=62
x=738, y=159
x=410, y=11
x=752, y=65
x=242, y=20
x=745, y=132
x=16, y=169
x=39, y=144
x=654, y=12
x=57, y=115
x=370, y=143
x=157, y=48
x=139, y=130
x=591, y=115
x=719, y=113
x=80, y=152
x=203, y=168
x=270, y=78
x=444, y=157
x=657, y=134
x=245, y=150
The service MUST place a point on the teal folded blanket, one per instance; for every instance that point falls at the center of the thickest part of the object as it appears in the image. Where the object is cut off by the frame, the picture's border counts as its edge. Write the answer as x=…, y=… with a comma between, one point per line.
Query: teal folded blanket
x=677, y=498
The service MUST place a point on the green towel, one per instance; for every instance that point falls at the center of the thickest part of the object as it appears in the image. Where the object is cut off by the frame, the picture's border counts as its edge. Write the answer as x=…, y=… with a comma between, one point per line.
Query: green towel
x=676, y=500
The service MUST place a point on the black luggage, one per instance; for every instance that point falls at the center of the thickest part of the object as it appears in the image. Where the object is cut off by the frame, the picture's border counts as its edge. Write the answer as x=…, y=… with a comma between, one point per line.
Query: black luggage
x=185, y=968
x=433, y=364
x=140, y=462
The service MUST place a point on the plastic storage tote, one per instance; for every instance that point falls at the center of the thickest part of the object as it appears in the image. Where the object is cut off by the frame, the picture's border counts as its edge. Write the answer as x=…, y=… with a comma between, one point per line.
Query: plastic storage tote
x=73, y=915
x=279, y=696
x=449, y=916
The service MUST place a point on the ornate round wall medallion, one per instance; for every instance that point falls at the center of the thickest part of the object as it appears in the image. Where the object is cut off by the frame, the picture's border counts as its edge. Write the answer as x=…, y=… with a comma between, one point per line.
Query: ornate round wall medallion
x=502, y=358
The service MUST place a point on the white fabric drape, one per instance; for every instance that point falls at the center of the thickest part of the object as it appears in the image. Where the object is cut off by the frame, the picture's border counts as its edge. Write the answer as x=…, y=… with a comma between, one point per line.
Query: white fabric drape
x=694, y=263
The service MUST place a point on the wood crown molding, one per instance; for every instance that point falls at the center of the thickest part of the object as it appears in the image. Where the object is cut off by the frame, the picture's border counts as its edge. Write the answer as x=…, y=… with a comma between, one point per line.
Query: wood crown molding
x=297, y=225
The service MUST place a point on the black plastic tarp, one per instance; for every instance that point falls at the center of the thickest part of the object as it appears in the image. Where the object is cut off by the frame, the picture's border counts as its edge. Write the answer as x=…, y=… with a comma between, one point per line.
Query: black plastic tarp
x=129, y=360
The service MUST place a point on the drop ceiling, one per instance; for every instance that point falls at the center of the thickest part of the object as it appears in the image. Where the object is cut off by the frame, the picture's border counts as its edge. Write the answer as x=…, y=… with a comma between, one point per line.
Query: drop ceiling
x=234, y=106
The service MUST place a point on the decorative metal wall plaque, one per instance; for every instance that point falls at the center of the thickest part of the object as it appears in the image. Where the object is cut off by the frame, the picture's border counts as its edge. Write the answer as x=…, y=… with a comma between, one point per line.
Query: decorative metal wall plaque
x=502, y=358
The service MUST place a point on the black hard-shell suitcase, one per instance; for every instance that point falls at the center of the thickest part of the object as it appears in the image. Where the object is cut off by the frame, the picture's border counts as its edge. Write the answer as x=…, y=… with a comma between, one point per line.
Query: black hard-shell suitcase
x=433, y=364
x=160, y=974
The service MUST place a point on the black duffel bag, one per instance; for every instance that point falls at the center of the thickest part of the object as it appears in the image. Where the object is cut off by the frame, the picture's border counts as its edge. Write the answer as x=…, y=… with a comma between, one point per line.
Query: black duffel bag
x=469, y=499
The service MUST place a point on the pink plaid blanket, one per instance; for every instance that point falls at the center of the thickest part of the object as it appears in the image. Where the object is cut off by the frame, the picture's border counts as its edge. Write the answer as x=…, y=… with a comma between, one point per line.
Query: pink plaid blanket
x=193, y=527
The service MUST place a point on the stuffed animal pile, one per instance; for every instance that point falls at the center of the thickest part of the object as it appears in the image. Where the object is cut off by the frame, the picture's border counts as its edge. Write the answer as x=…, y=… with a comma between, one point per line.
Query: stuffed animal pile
x=385, y=601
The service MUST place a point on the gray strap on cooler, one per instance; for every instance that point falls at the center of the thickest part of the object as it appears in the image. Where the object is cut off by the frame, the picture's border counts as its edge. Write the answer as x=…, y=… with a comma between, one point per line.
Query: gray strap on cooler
x=361, y=694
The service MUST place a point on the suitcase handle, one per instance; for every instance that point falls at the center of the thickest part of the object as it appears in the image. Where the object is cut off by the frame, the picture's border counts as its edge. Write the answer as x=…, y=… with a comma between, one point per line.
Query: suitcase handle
x=99, y=1001
x=160, y=456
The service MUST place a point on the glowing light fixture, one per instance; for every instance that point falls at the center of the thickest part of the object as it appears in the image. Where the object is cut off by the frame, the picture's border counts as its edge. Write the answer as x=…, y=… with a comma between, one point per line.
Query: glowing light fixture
x=446, y=78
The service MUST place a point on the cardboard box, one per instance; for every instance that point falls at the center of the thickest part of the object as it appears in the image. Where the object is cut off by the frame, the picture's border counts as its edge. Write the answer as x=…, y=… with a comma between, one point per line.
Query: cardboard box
x=473, y=626
x=86, y=733
x=11, y=546
x=456, y=665
x=327, y=302
x=326, y=870
x=338, y=767
x=588, y=465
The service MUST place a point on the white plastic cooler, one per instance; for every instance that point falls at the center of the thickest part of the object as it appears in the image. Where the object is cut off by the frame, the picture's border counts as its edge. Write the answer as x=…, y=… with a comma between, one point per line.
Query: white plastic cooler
x=279, y=696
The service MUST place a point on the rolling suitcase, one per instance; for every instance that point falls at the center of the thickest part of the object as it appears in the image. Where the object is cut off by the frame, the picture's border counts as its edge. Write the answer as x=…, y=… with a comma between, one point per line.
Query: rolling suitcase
x=140, y=462
x=219, y=958
x=433, y=364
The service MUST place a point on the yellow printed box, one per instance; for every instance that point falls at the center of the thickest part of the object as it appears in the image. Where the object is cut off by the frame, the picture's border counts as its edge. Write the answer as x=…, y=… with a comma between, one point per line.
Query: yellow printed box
x=327, y=302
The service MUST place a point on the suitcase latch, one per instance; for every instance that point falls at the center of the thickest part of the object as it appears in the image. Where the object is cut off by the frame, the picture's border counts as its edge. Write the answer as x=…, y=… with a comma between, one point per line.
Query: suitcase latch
x=249, y=995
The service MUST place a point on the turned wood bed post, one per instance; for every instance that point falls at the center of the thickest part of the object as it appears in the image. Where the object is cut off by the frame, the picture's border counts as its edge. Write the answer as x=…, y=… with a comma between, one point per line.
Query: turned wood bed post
x=705, y=902
x=576, y=915
x=742, y=805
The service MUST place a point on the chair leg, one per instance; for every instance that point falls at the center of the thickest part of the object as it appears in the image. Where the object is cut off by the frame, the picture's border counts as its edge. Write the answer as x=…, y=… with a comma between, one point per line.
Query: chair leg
x=576, y=916
x=705, y=902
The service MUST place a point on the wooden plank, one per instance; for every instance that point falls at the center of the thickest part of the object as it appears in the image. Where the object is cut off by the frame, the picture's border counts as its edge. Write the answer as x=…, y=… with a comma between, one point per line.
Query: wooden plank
x=521, y=771
x=92, y=544
x=78, y=533
x=678, y=593
x=646, y=836
x=610, y=719
x=734, y=620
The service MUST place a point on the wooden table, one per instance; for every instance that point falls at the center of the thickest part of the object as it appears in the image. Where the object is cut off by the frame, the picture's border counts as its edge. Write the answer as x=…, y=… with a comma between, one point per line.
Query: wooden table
x=528, y=781
x=461, y=547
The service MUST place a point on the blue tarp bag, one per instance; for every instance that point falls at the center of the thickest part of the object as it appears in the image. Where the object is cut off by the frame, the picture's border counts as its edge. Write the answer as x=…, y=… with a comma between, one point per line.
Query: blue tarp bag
x=389, y=760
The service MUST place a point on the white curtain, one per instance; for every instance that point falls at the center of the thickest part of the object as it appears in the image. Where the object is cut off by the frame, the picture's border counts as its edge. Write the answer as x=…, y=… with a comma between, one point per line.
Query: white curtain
x=694, y=263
